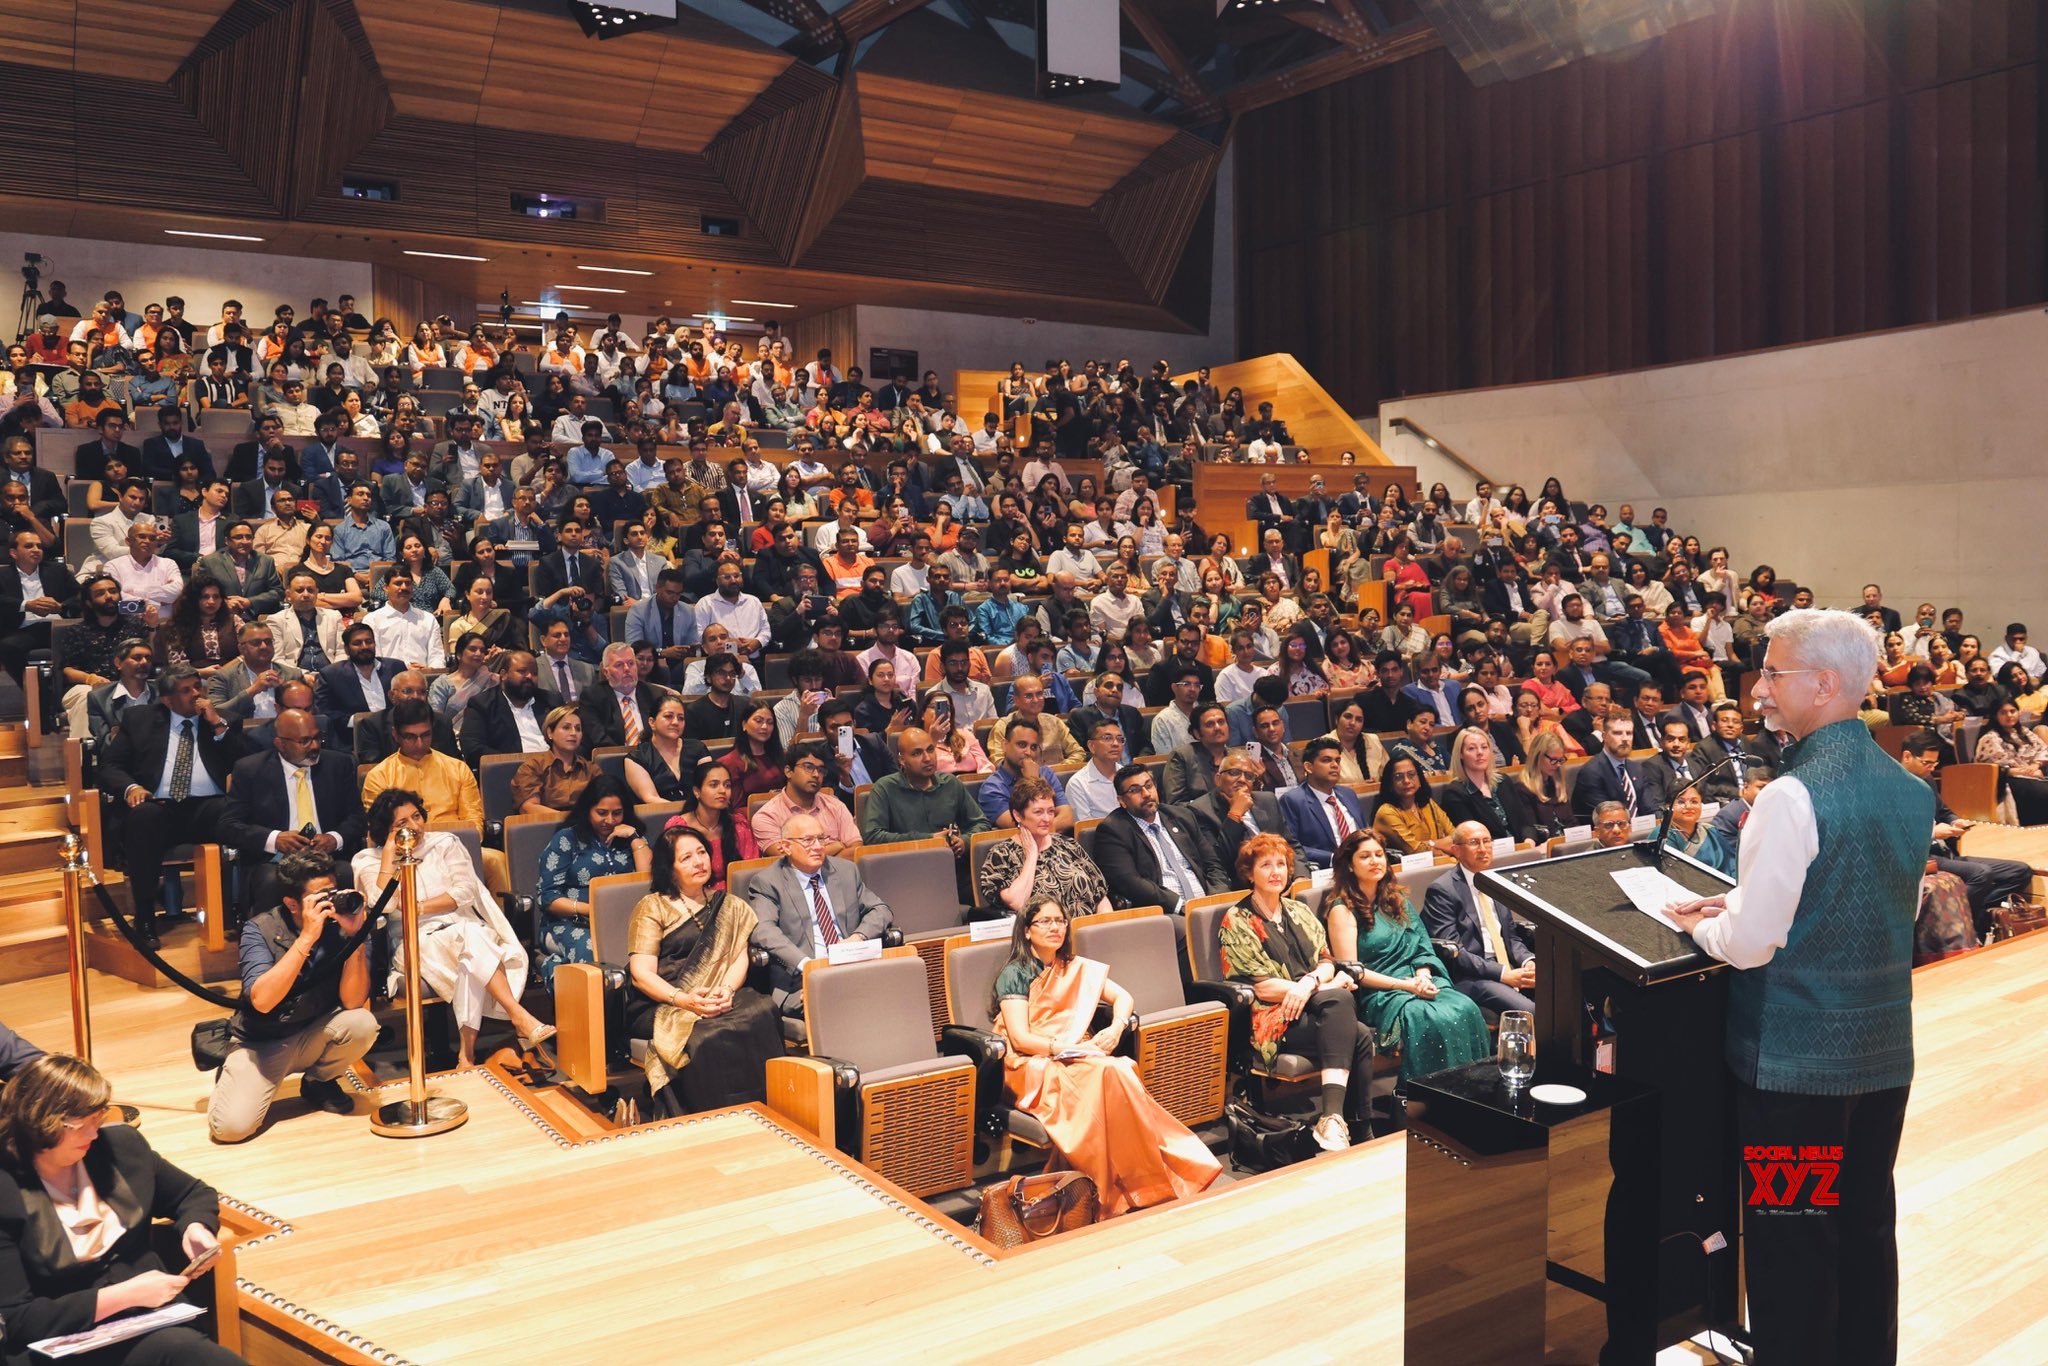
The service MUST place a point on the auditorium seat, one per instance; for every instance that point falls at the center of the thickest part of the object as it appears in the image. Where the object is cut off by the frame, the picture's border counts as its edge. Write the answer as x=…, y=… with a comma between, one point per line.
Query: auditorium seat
x=1183, y=1046
x=875, y=1085
x=1205, y=960
x=526, y=839
x=970, y=981
x=916, y=881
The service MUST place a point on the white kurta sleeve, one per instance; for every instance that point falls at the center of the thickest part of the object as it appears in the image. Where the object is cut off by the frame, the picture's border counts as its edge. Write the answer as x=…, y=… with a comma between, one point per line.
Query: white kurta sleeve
x=1779, y=841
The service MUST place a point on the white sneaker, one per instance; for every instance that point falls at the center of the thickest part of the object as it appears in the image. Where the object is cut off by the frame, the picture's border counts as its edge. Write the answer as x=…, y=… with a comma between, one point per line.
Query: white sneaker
x=1332, y=1134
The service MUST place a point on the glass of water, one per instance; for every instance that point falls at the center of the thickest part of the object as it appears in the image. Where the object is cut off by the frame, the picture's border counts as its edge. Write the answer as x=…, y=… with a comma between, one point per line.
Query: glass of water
x=1516, y=1052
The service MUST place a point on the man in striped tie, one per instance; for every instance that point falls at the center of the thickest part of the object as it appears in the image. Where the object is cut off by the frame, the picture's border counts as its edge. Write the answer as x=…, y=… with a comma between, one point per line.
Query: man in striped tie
x=617, y=708
x=806, y=903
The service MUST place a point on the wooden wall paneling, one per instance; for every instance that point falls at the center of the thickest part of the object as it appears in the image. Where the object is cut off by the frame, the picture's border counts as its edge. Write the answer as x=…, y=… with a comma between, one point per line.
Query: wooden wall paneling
x=39, y=32
x=544, y=77
x=675, y=189
x=434, y=164
x=178, y=166
x=409, y=300
x=1770, y=174
x=833, y=329
x=253, y=43
x=768, y=156
x=110, y=43
x=1150, y=212
x=42, y=115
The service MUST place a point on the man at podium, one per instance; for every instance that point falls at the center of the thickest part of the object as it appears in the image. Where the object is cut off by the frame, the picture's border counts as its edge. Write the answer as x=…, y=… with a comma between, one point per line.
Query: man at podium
x=1820, y=1009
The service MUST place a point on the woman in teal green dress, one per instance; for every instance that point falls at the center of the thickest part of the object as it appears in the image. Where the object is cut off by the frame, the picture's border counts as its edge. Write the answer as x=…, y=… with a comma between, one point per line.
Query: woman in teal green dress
x=1690, y=834
x=1404, y=994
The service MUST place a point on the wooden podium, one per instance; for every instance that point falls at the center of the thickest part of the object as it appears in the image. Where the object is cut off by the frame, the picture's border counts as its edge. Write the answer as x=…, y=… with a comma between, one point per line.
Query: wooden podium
x=1616, y=989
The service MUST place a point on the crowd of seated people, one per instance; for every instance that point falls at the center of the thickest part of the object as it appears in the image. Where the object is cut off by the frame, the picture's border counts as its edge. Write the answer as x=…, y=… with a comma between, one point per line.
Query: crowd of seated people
x=801, y=617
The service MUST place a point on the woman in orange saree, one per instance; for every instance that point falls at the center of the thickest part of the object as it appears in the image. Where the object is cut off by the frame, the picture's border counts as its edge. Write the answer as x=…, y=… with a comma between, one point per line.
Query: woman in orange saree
x=1098, y=1114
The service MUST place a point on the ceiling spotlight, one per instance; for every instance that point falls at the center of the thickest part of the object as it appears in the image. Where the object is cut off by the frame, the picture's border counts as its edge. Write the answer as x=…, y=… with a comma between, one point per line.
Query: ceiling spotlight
x=617, y=20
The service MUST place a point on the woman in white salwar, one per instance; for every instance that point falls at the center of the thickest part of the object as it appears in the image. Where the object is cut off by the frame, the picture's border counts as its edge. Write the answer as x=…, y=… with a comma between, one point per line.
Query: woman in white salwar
x=468, y=954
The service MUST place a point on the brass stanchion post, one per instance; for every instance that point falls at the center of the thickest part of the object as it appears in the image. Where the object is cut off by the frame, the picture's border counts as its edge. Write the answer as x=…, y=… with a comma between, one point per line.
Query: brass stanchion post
x=419, y=1114
x=79, y=878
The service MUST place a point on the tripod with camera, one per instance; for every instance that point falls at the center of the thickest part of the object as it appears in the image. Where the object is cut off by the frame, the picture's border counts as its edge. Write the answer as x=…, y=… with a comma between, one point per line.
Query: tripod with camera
x=31, y=295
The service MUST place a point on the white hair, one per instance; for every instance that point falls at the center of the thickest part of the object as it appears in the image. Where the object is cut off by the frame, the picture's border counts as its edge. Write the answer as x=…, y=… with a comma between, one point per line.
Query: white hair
x=1823, y=638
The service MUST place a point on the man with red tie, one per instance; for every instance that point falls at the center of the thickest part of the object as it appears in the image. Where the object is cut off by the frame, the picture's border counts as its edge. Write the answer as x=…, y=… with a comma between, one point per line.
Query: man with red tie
x=1322, y=811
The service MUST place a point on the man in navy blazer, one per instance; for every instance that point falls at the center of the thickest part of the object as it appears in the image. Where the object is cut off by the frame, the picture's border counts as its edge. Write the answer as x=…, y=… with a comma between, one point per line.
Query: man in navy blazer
x=162, y=452
x=343, y=688
x=1610, y=775
x=1453, y=909
x=261, y=821
x=1311, y=822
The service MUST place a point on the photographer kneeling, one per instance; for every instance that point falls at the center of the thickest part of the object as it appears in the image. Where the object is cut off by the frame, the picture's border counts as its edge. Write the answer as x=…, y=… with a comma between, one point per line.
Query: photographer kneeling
x=305, y=992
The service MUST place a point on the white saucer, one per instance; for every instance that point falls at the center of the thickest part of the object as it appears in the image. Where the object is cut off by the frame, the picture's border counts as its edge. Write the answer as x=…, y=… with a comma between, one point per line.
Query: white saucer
x=1552, y=1094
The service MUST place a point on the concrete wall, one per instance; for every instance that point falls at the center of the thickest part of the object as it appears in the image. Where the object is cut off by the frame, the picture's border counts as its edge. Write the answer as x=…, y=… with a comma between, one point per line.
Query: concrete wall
x=1911, y=458
x=202, y=276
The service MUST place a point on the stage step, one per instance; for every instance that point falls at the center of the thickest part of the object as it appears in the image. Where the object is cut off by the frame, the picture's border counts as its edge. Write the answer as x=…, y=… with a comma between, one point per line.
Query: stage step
x=29, y=848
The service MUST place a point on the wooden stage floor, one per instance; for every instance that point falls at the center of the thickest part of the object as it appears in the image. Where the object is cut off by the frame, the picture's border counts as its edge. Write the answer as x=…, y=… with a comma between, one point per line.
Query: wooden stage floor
x=729, y=1238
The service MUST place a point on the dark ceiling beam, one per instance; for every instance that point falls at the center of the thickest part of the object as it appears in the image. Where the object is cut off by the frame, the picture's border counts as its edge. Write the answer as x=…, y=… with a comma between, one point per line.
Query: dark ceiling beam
x=863, y=17
x=1332, y=67
x=1185, y=85
x=817, y=35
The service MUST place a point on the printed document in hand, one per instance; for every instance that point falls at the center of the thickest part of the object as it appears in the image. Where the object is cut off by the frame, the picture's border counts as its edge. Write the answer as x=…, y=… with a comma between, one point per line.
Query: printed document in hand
x=1649, y=891
x=117, y=1330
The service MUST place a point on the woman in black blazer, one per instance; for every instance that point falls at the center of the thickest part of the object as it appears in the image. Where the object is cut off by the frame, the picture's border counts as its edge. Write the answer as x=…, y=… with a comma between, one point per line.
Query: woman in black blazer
x=76, y=1204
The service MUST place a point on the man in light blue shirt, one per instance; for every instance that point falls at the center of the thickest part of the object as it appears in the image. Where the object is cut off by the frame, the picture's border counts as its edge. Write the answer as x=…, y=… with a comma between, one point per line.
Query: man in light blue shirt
x=997, y=618
x=587, y=462
x=360, y=539
x=1020, y=757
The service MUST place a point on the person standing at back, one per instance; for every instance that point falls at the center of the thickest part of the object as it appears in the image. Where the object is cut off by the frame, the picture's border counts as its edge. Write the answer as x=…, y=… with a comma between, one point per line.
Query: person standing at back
x=1820, y=1009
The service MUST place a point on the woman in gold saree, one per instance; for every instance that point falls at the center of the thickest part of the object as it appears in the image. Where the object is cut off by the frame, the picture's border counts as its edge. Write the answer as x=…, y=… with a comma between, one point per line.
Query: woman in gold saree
x=686, y=950
x=1100, y=1118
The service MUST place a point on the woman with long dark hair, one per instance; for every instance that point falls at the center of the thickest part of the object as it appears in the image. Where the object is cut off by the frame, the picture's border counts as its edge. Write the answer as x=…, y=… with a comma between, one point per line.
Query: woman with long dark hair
x=1408, y=817
x=708, y=810
x=1404, y=993
x=202, y=632
x=599, y=838
x=755, y=759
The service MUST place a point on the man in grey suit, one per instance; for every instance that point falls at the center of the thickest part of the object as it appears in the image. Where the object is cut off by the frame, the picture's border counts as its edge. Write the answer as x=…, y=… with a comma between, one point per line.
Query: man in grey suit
x=1495, y=965
x=251, y=581
x=129, y=688
x=246, y=690
x=635, y=570
x=1237, y=809
x=1191, y=769
x=806, y=903
x=490, y=495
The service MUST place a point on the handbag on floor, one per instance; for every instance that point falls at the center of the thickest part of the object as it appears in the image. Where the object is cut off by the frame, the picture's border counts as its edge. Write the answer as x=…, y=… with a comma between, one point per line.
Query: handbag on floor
x=1026, y=1208
x=1262, y=1143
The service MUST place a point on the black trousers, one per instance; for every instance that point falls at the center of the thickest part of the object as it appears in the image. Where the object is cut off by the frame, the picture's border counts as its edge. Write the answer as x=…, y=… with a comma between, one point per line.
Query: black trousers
x=1823, y=1281
x=16, y=646
x=1988, y=881
x=1329, y=1030
x=153, y=828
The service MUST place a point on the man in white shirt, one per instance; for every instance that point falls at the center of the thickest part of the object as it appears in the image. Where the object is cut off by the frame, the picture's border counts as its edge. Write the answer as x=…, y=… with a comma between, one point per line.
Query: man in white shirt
x=1479, y=512
x=2017, y=651
x=972, y=700
x=739, y=612
x=888, y=645
x=1234, y=681
x=908, y=579
x=987, y=439
x=143, y=574
x=568, y=428
x=406, y=632
x=296, y=415
x=1114, y=608
x=647, y=470
x=1173, y=725
x=847, y=519
x=110, y=529
x=1092, y=791
x=1072, y=559
x=718, y=641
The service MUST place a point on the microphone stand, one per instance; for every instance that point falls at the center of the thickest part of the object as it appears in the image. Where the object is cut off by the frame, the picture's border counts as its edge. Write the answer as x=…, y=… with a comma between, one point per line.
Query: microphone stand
x=1664, y=822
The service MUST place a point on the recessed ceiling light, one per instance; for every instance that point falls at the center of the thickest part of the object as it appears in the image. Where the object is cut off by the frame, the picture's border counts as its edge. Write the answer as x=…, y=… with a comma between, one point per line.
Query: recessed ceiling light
x=447, y=256
x=586, y=289
x=223, y=236
x=736, y=318
x=763, y=303
x=613, y=270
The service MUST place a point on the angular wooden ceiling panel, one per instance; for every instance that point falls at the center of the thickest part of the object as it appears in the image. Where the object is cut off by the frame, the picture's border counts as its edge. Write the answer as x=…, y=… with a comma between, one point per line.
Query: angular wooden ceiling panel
x=545, y=77
x=964, y=139
x=433, y=56
x=1150, y=213
x=701, y=88
x=105, y=37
